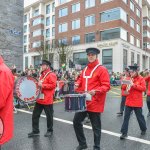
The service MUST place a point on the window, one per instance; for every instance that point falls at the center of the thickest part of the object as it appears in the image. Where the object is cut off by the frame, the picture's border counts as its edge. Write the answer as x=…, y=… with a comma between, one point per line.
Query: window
x=63, y=41
x=53, y=7
x=75, y=24
x=47, y=21
x=48, y=9
x=123, y=34
x=104, y=1
x=36, y=44
x=107, y=59
x=80, y=59
x=145, y=33
x=37, y=61
x=36, y=12
x=26, y=62
x=113, y=14
x=132, y=22
x=138, y=59
x=25, y=28
x=90, y=20
x=53, y=31
x=89, y=37
x=132, y=5
x=138, y=13
x=138, y=43
x=89, y=3
x=53, y=19
x=76, y=39
x=132, y=58
x=38, y=33
x=125, y=59
x=144, y=22
x=126, y=1
x=138, y=28
x=25, y=39
x=75, y=7
x=132, y=39
x=63, y=27
x=25, y=49
x=62, y=1
x=38, y=21
x=63, y=12
x=25, y=18
x=47, y=33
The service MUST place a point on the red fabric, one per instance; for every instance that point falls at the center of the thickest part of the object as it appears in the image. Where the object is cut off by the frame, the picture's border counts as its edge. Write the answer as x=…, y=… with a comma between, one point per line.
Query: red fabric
x=99, y=82
x=48, y=87
x=147, y=79
x=135, y=97
x=6, y=101
x=123, y=86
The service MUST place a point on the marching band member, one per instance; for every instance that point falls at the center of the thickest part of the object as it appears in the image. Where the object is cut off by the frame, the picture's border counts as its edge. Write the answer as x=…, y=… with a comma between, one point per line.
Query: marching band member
x=6, y=103
x=45, y=101
x=134, y=101
x=94, y=79
x=123, y=92
x=147, y=79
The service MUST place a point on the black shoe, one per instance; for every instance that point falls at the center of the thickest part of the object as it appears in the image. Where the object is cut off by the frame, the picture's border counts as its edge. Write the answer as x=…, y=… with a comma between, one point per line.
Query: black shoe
x=48, y=133
x=148, y=114
x=81, y=147
x=32, y=134
x=123, y=136
x=120, y=113
x=143, y=132
x=96, y=148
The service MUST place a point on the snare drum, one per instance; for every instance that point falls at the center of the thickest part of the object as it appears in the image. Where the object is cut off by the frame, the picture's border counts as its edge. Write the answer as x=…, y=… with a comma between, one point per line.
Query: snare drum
x=27, y=89
x=75, y=102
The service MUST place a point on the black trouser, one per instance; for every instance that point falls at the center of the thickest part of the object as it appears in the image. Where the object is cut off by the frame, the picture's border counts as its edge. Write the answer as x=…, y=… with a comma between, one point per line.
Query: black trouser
x=96, y=126
x=122, y=104
x=36, y=115
x=148, y=102
x=139, y=116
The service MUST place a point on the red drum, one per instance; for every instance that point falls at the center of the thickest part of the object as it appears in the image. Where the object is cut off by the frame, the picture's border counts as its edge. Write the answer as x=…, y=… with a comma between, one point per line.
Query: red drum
x=75, y=102
x=27, y=89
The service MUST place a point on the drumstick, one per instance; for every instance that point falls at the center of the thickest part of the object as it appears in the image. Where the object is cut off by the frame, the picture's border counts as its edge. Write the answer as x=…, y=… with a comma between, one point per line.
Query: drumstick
x=1, y=128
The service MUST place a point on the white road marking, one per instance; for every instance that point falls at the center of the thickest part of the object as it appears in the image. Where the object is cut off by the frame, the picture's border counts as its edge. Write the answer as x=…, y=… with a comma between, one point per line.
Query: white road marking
x=88, y=127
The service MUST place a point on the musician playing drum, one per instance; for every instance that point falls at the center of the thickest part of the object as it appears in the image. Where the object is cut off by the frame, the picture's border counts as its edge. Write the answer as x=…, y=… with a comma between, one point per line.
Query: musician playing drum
x=47, y=83
x=94, y=80
x=134, y=101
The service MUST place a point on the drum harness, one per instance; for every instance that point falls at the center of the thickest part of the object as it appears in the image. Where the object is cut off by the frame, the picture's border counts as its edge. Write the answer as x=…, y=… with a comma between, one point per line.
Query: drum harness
x=88, y=77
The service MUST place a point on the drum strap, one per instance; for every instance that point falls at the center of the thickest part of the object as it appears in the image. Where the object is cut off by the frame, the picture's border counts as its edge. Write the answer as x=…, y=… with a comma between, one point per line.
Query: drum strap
x=42, y=80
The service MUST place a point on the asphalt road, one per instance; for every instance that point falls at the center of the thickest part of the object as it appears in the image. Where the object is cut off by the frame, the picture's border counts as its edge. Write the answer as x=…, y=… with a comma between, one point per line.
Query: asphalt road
x=64, y=137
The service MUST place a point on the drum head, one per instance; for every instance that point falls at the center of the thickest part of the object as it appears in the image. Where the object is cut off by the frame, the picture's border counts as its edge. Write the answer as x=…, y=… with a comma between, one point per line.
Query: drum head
x=1, y=128
x=27, y=89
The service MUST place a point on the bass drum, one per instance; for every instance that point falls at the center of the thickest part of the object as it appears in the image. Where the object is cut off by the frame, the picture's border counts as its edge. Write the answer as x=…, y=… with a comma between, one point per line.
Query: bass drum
x=27, y=89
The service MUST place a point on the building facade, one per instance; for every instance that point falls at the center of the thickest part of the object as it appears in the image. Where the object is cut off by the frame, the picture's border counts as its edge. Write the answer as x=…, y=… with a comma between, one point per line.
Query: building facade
x=11, y=33
x=116, y=27
x=39, y=29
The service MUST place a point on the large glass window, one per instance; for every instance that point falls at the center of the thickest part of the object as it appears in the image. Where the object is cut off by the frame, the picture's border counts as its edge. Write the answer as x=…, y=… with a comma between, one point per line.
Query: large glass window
x=37, y=60
x=48, y=9
x=63, y=41
x=25, y=28
x=113, y=14
x=25, y=18
x=132, y=22
x=132, y=58
x=80, y=59
x=138, y=28
x=125, y=59
x=138, y=13
x=138, y=59
x=75, y=24
x=125, y=1
x=63, y=27
x=113, y=34
x=90, y=20
x=26, y=62
x=76, y=39
x=53, y=7
x=89, y=3
x=36, y=12
x=53, y=31
x=63, y=12
x=47, y=33
x=25, y=39
x=38, y=21
x=107, y=59
x=132, y=39
x=75, y=7
x=38, y=32
x=104, y=1
x=53, y=19
x=138, y=43
x=47, y=21
x=36, y=44
x=89, y=37
x=132, y=7
x=62, y=1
